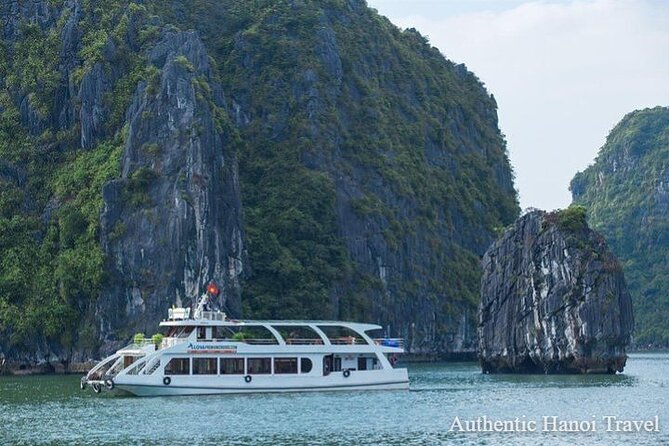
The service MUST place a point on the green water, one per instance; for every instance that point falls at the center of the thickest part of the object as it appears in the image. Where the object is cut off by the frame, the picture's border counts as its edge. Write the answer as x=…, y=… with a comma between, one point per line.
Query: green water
x=52, y=410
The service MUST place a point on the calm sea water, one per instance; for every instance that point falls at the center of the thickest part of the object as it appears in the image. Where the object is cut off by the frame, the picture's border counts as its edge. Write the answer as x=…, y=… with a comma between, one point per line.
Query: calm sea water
x=52, y=410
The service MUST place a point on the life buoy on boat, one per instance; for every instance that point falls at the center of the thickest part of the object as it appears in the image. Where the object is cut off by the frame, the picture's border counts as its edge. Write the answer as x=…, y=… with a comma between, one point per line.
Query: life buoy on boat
x=248, y=378
x=347, y=373
x=96, y=388
x=109, y=383
x=167, y=380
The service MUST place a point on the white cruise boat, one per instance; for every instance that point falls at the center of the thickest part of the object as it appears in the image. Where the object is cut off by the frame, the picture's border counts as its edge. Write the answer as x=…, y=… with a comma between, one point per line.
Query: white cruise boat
x=207, y=353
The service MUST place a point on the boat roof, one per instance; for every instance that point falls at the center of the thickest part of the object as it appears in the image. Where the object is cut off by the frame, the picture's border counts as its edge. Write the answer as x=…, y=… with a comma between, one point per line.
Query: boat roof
x=242, y=322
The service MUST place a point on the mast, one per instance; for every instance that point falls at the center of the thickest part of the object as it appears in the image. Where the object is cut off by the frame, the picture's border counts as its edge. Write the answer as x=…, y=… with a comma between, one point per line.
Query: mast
x=201, y=306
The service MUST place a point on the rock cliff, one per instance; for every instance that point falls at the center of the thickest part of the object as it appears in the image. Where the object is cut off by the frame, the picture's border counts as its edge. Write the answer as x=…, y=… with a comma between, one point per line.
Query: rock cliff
x=172, y=223
x=374, y=172
x=309, y=156
x=553, y=299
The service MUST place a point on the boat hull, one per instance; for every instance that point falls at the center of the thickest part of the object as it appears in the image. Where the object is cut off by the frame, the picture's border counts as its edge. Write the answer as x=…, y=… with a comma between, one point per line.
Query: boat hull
x=397, y=379
x=156, y=390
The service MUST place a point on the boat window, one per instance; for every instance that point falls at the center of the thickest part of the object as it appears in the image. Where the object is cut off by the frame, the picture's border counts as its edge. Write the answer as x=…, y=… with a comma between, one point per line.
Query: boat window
x=305, y=365
x=339, y=335
x=285, y=365
x=204, y=366
x=232, y=366
x=260, y=366
x=178, y=366
x=298, y=335
x=249, y=334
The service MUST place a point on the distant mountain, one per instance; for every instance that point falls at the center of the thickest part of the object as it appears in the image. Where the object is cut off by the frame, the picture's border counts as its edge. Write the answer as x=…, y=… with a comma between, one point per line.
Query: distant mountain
x=308, y=156
x=626, y=192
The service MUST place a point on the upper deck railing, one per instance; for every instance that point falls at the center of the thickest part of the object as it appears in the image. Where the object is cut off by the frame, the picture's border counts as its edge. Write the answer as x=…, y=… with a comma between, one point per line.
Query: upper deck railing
x=245, y=341
x=383, y=342
x=213, y=315
x=138, y=344
x=181, y=314
x=171, y=341
x=304, y=341
x=164, y=343
x=347, y=341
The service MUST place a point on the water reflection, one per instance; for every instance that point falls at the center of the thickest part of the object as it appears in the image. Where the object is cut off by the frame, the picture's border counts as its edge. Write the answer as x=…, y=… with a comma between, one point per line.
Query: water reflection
x=564, y=381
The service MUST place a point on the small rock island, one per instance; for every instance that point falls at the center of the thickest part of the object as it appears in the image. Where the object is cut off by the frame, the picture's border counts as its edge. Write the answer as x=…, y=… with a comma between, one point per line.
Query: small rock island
x=553, y=299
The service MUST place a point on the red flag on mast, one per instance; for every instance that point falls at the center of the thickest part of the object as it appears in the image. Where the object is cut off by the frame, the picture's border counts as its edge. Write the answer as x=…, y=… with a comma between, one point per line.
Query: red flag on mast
x=213, y=289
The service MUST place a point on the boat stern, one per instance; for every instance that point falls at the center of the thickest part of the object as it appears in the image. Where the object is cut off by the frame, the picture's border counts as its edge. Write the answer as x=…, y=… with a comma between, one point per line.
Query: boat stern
x=102, y=376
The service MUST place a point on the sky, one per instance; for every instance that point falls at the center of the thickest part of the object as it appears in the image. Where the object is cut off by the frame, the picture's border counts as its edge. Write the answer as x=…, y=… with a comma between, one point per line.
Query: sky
x=563, y=73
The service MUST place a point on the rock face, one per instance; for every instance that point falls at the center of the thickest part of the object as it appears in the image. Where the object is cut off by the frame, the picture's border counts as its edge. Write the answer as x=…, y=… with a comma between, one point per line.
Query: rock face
x=386, y=177
x=553, y=299
x=310, y=157
x=172, y=223
x=626, y=190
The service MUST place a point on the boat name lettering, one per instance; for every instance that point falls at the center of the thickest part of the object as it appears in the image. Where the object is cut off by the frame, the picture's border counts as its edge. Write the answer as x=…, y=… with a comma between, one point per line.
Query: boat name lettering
x=212, y=348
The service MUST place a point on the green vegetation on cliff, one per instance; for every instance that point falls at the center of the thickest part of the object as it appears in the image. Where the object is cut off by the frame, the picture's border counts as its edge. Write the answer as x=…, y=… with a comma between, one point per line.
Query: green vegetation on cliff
x=344, y=95
x=51, y=261
x=371, y=169
x=626, y=192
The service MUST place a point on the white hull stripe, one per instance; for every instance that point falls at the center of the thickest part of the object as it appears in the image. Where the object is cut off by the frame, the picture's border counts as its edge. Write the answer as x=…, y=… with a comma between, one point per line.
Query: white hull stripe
x=252, y=388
